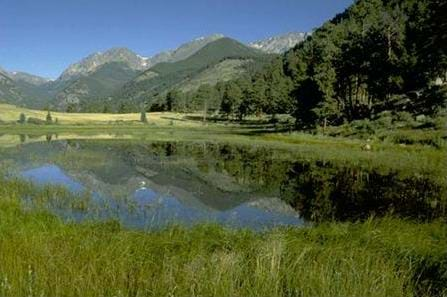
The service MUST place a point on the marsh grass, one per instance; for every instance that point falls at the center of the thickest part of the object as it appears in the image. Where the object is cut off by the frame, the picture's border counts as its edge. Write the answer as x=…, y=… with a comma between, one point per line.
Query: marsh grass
x=413, y=159
x=40, y=255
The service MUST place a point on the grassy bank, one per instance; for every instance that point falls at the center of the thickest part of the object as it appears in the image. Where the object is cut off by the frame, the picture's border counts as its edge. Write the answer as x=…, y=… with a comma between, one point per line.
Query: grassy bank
x=413, y=159
x=42, y=256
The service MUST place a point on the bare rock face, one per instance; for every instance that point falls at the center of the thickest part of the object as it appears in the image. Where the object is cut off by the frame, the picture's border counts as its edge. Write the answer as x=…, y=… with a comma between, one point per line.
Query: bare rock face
x=279, y=44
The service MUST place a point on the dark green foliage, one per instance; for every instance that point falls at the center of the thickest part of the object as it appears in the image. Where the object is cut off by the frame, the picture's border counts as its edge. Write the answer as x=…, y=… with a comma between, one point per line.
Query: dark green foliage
x=71, y=107
x=171, y=99
x=49, y=119
x=22, y=118
x=359, y=63
x=231, y=100
x=36, y=121
x=308, y=97
x=376, y=56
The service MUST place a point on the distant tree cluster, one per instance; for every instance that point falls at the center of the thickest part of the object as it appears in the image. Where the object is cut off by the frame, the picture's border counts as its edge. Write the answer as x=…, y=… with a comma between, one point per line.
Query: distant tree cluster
x=36, y=121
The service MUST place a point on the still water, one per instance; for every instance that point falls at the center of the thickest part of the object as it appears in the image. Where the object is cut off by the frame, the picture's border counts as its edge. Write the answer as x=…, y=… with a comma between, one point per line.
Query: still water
x=154, y=184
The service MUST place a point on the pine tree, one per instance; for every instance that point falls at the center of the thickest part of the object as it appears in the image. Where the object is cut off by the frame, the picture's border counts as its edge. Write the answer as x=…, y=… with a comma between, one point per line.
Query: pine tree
x=22, y=118
x=231, y=100
x=49, y=119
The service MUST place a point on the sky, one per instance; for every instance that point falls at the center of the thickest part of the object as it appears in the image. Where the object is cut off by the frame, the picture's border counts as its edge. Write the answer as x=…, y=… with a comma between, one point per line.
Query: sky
x=44, y=37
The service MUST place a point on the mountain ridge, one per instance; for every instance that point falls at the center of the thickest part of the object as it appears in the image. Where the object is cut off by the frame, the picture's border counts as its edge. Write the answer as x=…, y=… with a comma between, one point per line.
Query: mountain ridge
x=280, y=43
x=164, y=76
x=86, y=79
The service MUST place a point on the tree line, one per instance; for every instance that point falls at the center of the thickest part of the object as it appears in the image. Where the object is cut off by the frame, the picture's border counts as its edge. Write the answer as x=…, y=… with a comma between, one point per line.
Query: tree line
x=377, y=55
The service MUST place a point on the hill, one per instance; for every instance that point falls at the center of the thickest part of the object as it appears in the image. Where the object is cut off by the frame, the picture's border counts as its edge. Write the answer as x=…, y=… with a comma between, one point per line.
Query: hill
x=165, y=76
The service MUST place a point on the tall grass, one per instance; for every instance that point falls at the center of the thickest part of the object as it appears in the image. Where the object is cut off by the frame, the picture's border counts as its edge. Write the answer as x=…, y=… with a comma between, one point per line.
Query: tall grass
x=40, y=255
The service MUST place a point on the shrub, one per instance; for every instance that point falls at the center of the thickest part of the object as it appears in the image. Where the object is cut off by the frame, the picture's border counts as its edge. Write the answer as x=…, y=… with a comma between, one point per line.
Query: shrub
x=36, y=121
x=404, y=119
x=22, y=118
x=49, y=119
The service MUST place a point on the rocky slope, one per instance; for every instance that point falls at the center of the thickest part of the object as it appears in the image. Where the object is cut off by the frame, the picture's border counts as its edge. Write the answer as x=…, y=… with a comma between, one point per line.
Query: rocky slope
x=28, y=78
x=279, y=44
x=9, y=91
x=92, y=62
x=133, y=60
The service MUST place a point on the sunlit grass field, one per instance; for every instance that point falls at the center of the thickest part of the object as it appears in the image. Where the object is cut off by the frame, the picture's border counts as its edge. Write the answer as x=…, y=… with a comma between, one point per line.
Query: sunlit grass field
x=11, y=114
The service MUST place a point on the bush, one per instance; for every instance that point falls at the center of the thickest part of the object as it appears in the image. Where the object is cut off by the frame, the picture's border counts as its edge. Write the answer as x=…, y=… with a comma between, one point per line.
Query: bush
x=36, y=121
x=404, y=119
x=363, y=127
x=22, y=118
x=384, y=120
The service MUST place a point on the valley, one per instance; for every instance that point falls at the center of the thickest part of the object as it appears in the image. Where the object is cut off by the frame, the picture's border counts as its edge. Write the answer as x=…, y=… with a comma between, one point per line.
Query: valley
x=250, y=163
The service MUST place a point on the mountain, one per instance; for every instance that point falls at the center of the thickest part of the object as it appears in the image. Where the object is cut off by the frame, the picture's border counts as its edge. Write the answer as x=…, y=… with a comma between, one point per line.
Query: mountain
x=9, y=92
x=92, y=62
x=120, y=72
x=28, y=78
x=165, y=76
x=101, y=74
x=135, y=61
x=183, y=51
x=279, y=44
x=101, y=82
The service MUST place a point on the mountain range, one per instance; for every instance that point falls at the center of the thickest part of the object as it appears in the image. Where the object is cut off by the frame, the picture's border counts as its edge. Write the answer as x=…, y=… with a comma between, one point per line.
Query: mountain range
x=120, y=74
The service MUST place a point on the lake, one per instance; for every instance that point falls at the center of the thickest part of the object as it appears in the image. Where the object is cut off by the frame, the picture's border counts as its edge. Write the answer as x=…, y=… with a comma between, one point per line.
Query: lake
x=153, y=184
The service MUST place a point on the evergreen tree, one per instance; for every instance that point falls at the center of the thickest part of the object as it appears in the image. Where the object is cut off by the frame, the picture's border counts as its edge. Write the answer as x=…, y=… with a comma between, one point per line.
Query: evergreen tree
x=22, y=118
x=49, y=119
x=172, y=98
x=231, y=100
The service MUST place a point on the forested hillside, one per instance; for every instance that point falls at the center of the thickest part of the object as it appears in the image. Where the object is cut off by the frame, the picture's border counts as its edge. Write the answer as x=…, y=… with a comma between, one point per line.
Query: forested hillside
x=376, y=56
x=151, y=86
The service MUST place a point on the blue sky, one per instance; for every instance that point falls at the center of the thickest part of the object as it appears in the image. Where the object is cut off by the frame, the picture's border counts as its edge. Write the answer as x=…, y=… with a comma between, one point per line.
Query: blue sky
x=45, y=36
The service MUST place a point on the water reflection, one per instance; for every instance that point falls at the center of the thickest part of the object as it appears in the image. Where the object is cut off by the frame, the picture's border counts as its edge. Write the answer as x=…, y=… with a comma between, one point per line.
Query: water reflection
x=321, y=191
x=246, y=186
x=146, y=208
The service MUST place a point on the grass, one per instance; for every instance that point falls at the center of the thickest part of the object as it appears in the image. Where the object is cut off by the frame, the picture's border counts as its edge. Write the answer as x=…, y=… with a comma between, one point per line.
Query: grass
x=41, y=255
x=10, y=114
x=413, y=159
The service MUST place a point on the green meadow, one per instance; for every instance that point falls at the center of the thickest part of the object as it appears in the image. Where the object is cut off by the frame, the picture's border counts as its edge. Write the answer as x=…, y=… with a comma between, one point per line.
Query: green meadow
x=42, y=255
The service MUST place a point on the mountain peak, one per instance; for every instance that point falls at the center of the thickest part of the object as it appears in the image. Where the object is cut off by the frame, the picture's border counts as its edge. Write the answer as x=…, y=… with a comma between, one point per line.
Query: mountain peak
x=93, y=61
x=214, y=36
x=281, y=43
x=135, y=61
